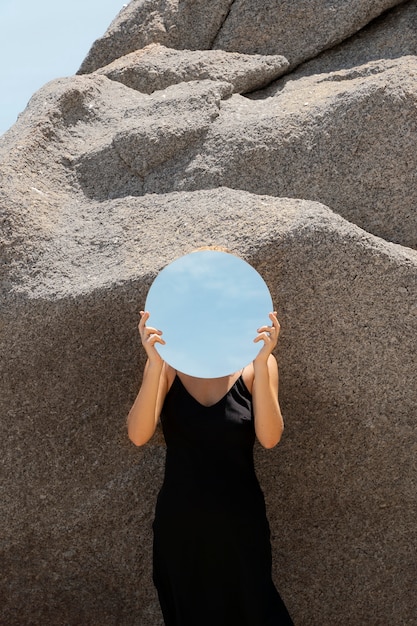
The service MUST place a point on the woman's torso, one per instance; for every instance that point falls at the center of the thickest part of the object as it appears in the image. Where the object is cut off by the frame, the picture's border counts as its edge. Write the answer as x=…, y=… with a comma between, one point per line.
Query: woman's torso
x=209, y=461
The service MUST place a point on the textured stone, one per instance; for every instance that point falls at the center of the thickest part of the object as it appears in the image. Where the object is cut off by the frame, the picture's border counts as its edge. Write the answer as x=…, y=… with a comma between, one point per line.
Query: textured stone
x=149, y=135
x=297, y=29
x=100, y=187
x=340, y=488
x=181, y=24
x=109, y=137
x=391, y=36
x=346, y=139
x=156, y=67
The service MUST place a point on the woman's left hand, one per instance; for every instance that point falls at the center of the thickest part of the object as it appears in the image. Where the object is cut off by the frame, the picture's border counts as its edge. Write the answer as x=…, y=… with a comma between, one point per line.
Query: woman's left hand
x=269, y=335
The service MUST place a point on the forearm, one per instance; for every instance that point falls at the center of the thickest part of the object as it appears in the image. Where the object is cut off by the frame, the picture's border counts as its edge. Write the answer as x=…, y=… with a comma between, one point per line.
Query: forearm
x=143, y=416
x=269, y=424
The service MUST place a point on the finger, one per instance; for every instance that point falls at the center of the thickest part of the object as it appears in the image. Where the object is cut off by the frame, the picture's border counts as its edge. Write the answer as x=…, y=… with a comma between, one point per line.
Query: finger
x=144, y=316
x=152, y=331
x=147, y=330
x=153, y=339
x=268, y=331
x=274, y=320
x=263, y=336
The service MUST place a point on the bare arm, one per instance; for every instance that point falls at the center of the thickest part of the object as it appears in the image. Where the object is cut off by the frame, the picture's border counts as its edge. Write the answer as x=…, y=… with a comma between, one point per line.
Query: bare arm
x=269, y=424
x=144, y=414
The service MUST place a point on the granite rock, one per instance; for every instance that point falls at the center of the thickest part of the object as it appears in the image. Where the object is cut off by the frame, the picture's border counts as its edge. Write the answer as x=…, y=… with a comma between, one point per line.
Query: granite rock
x=391, y=36
x=102, y=185
x=345, y=138
x=156, y=67
x=297, y=30
x=340, y=488
x=189, y=24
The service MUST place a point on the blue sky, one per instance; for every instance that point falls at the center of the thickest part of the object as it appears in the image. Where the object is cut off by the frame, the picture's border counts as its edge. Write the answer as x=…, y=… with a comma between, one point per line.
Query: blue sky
x=45, y=39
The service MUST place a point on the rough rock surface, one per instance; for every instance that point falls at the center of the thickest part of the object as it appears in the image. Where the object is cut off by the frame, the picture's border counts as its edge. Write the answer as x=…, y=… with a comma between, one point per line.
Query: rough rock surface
x=101, y=185
x=156, y=67
x=345, y=138
x=189, y=24
x=299, y=30
x=391, y=36
x=340, y=484
x=296, y=29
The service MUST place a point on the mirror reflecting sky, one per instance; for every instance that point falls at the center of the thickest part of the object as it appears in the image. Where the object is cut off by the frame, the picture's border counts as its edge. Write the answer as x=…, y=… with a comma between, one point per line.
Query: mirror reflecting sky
x=209, y=305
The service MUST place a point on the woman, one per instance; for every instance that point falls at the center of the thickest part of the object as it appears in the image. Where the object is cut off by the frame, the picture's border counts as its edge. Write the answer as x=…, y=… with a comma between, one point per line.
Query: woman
x=212, y=553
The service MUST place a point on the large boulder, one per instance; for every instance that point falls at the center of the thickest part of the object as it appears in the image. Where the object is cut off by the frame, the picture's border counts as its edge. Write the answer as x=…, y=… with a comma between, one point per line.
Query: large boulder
x=189, y=24
x=106, y=178
x=391, y=36
x=298, y=29
x=346, y=138
x=79, y=497
x=156, y=67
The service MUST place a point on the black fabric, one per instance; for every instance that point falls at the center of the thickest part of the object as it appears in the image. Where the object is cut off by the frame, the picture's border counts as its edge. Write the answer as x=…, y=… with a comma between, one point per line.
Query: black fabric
x=212, y=552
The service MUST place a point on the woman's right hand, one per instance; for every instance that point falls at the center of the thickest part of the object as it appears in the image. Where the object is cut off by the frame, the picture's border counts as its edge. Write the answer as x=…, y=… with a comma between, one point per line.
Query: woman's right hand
x=149, y=337
x=143, y=416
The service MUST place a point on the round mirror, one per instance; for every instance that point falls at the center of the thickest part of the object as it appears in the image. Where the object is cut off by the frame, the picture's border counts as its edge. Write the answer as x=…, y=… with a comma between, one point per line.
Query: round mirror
x=209, y=305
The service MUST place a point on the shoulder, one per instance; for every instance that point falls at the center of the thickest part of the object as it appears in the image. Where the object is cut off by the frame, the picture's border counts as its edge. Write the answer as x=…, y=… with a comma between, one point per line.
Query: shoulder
x=169, y=375
x=165, y=382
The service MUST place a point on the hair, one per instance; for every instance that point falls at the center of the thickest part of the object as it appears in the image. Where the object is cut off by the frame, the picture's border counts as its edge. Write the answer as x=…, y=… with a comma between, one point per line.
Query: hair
x=214, y=248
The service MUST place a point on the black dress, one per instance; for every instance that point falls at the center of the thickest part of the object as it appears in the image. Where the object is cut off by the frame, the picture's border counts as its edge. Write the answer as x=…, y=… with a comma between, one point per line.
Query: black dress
x=212, y=552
